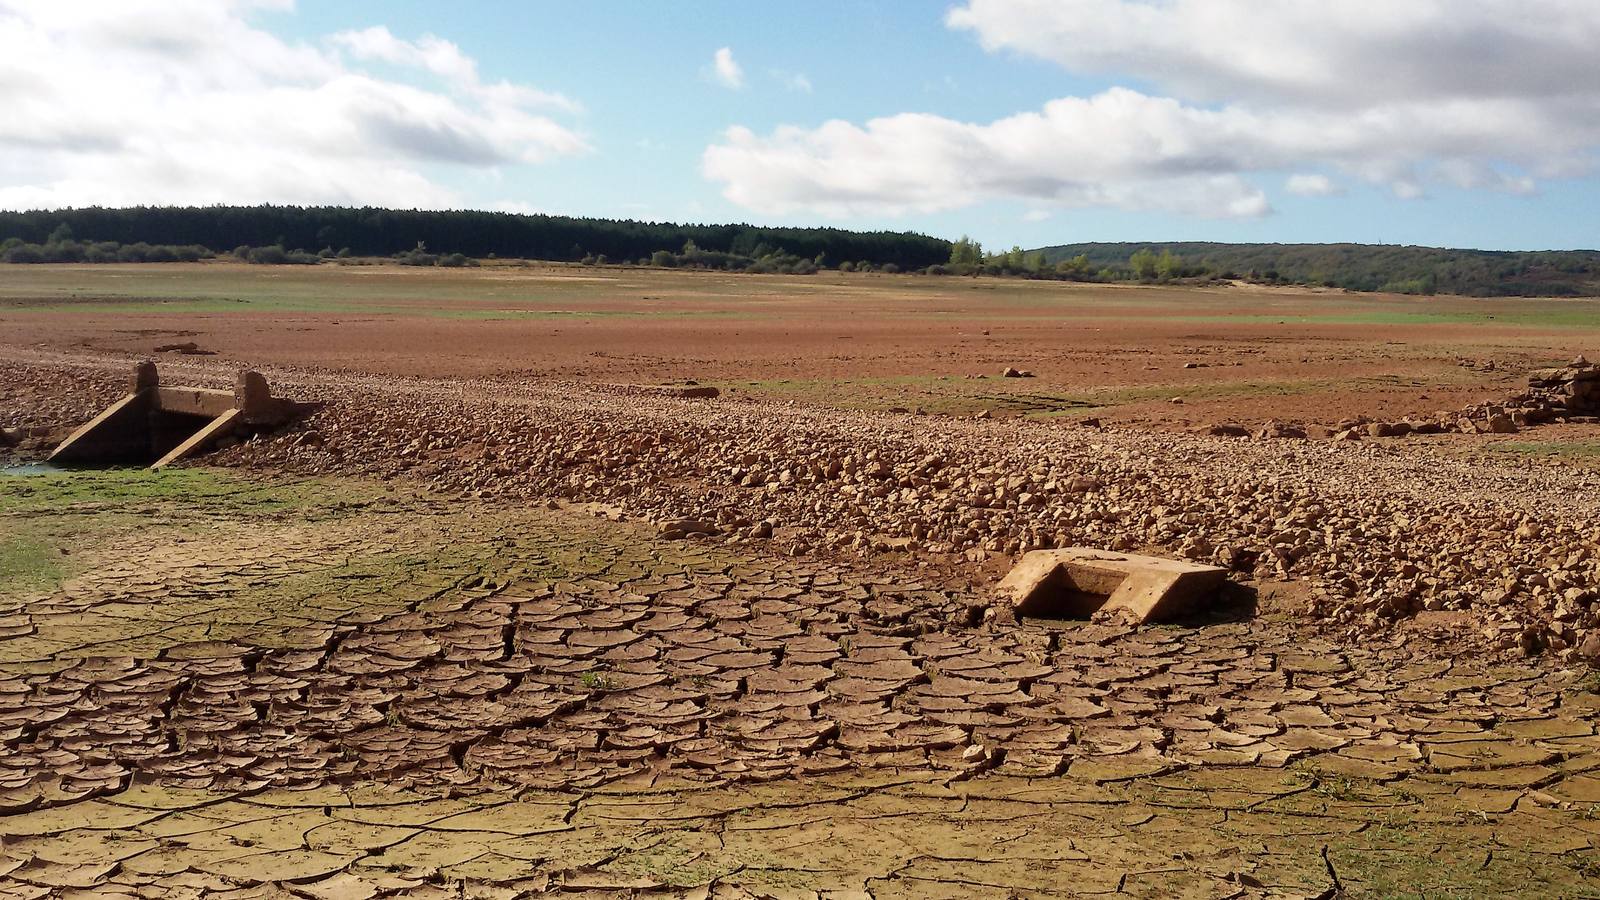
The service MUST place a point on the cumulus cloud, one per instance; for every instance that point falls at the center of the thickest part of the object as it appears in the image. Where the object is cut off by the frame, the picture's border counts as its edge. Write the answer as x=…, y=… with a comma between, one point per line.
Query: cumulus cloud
x=726, y=69
x=190, y=102
x=1349, y=53
x=1472, y=94
x=1120, y=148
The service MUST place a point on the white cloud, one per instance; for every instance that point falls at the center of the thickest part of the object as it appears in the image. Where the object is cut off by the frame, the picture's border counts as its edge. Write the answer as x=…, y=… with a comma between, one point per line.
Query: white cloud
x=726, y=69
x=1472, y=94
x=1311, y=186
x=445, y=59
x=794, y=81
x=189, y=102
x=1345, y=53
x=1119, y=148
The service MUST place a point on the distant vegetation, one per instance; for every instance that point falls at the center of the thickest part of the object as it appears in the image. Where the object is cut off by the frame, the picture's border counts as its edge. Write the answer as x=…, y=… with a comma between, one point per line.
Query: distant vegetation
x=328, y=231
x=1356, y=267
x=292, y=235
x=60, y=247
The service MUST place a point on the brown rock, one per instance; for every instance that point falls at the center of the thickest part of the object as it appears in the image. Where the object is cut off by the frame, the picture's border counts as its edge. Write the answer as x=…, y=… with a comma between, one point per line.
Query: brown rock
x=1501, y=424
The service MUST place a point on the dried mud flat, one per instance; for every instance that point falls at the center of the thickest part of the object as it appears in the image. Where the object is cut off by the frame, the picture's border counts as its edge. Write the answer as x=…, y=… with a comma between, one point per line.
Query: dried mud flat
x=334, y=689
x=502, y=636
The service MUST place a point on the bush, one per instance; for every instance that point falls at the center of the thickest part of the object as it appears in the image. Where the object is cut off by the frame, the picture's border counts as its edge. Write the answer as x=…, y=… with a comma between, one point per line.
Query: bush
x=25, y=253
x=267, y=256
x=417, y=257
x=663, y=258
x=454, y=261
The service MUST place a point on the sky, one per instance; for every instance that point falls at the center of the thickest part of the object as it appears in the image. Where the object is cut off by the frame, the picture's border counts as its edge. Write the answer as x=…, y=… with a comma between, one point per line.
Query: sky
x=1462, y=123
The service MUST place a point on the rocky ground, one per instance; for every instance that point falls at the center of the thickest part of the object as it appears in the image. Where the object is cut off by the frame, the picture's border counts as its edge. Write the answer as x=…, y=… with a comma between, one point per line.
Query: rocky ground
x=1376, y=534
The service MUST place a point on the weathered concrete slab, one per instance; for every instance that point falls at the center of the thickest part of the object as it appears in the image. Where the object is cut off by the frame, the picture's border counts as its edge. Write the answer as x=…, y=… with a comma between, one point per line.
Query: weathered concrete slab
x=1079, y=582
x=212, y=432
x=117, y=434
x=187, y=401
x=163, y=424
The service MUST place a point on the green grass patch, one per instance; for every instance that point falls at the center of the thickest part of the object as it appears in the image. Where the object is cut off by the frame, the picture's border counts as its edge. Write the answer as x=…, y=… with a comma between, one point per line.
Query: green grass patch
x=95, y=490
x=28, y=564
x=1404, y=860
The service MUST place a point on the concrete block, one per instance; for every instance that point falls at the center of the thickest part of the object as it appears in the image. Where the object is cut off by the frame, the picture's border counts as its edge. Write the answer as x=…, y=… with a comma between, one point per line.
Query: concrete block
x=1078, y=582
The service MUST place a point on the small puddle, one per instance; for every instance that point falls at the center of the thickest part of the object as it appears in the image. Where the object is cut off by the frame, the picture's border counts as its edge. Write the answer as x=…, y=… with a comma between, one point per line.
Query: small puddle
x=31, y=468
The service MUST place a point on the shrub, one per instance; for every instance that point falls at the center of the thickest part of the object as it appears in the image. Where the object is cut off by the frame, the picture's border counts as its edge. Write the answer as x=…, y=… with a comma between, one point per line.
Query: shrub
x=267, y=256
x=25, y=253
x=417, y=257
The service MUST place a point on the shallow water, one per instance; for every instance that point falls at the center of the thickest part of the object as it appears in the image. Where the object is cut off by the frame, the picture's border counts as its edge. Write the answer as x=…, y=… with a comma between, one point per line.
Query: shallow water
x=30, y=468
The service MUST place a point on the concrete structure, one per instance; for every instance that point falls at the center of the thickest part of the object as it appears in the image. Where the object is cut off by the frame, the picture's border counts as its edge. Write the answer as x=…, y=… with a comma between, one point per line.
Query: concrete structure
x=157, y=425
x=1079, y=582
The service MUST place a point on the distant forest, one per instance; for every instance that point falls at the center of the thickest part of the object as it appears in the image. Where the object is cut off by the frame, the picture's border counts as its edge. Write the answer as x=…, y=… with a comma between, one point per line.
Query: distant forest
x=369, y=231
x=278, y=235
x=1356, y=267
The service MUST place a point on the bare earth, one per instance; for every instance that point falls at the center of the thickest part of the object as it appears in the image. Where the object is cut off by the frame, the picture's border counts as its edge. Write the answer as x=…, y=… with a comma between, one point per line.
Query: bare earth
x=871, y=341
x=434, y=640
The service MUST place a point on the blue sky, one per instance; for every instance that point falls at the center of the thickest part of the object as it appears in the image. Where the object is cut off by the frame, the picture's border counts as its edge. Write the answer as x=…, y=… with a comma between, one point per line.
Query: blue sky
x=1024, y=122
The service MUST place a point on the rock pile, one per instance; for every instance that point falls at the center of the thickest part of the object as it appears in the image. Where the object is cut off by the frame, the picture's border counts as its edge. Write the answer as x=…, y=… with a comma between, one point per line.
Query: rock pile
x=1381, y=534
x=1567, y=394
x=39, y=406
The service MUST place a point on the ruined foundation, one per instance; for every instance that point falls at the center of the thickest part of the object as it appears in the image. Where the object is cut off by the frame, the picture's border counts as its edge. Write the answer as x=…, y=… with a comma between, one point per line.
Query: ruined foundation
x=157, y=425
x=1079, y=583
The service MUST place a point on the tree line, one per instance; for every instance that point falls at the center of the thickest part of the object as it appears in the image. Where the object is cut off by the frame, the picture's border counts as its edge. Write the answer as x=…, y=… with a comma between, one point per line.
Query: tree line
x=277, y=235
x=1355, y=267
x=967, y=257
x=328, y=231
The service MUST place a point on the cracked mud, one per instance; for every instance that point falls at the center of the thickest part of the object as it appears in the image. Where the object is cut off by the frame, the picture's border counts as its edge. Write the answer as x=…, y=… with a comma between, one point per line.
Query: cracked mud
x=229, y=687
